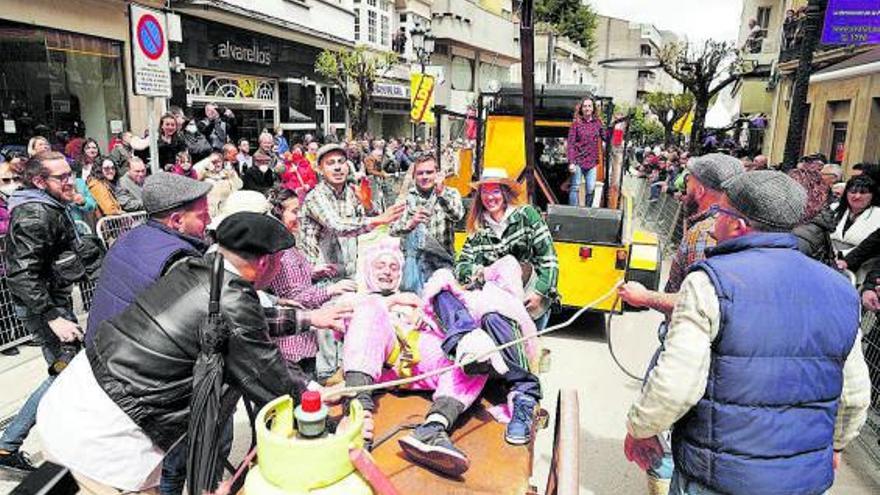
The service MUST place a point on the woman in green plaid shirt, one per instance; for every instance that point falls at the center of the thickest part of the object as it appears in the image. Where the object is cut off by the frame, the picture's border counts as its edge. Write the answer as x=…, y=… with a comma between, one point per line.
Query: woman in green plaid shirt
x=498, y=226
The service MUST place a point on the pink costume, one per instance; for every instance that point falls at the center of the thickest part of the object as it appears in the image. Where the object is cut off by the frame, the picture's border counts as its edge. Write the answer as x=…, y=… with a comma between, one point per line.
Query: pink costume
x=403, y=341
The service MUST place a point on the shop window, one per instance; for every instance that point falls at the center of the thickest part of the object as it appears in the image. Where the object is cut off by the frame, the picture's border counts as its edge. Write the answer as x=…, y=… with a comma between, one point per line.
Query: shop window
x=462, y=74
x=357, y=24
x=371, y=26
x=838, y=142
x=386, y=27
x=55, y=81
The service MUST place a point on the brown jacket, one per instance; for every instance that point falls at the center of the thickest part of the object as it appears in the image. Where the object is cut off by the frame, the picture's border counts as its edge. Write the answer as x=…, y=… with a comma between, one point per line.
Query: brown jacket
x=105, y=197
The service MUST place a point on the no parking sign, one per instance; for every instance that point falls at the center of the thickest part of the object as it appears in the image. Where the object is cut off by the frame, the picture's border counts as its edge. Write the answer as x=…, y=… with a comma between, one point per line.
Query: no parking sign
x=149, y=52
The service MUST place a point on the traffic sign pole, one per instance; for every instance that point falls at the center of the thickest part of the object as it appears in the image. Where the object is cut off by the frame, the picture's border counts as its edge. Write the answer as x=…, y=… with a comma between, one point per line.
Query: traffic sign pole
x=155, y=166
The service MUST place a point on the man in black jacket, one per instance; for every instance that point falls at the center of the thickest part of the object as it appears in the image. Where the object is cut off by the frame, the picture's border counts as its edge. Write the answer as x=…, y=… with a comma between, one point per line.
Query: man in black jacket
x=126, y=400
x=41, y=267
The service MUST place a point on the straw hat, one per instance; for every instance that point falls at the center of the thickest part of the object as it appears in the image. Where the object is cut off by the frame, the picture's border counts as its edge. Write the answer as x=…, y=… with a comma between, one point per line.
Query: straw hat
x=495, y=175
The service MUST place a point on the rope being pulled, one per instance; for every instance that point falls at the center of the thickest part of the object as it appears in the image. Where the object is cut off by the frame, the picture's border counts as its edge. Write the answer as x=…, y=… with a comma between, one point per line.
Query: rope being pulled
x=469, y=359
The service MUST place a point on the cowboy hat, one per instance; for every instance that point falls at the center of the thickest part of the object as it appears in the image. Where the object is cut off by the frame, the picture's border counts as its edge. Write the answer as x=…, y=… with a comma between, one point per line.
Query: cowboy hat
x=494, y=175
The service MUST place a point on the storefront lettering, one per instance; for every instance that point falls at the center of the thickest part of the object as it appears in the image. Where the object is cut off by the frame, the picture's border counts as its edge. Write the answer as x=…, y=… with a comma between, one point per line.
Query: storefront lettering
x=253, y=54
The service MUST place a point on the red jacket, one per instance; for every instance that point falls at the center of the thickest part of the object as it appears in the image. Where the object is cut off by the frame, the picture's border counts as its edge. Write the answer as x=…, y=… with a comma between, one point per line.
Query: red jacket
x=298, y=175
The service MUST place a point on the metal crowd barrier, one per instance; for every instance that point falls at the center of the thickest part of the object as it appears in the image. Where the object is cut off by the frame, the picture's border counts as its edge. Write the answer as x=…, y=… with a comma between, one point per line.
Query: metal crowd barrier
x=870, y=434
x=12, y=333
x=663, y=215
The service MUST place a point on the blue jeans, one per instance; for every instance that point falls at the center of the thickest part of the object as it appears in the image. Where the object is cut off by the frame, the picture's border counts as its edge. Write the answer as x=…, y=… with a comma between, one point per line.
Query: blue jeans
x=575, y=185
x=682, y=485
x=18, y=429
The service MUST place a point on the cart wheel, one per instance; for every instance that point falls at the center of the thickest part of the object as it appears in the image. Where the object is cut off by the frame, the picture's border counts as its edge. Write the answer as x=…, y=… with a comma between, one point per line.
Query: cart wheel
x=563, y=478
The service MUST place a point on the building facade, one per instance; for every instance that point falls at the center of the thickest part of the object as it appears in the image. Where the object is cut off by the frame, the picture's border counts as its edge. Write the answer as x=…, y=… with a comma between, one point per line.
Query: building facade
x=260, y=63
x=619, y=38
x=843, y=113
x=65, y=68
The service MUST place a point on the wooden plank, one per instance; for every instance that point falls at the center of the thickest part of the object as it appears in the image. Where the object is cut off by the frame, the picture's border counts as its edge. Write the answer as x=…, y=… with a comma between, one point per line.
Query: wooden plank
x=496, y=467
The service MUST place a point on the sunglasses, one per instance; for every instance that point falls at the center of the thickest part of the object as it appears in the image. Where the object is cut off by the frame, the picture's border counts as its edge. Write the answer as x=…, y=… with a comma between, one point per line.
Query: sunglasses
x=724, y=211
x=8, y=180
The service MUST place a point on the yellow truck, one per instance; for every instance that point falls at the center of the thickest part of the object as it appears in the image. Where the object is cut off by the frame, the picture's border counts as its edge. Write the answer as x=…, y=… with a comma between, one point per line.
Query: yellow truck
x=598, y=245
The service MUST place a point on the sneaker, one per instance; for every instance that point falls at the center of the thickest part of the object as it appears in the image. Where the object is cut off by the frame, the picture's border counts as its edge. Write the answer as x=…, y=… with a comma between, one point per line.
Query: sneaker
x=16, y=462
x=519, y=430
x=430, y=446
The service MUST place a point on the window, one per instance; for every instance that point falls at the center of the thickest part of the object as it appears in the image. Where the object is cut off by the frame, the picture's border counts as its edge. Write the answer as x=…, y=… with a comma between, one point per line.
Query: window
x=371, y=3
x=386, y=6
x=403, y=18
x=763, y=17
x=646, y=50
x=462, y=74
x=371, y=26
x=357, y=24
x=386, y=30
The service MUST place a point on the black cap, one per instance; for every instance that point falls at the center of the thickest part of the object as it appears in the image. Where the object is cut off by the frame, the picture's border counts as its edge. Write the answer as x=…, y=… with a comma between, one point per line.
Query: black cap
x=253, y=233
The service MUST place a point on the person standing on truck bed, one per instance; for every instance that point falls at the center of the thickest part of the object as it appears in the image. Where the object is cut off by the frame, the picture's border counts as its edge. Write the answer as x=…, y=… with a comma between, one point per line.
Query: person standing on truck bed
x=584, y=150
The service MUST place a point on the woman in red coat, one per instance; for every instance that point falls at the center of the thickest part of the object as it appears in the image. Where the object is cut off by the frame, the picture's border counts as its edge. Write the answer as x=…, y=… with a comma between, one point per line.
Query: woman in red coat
x=298, y=175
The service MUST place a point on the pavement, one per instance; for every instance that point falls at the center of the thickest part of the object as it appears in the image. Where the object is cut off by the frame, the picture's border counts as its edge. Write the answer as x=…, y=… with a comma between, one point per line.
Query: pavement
x=580, y=359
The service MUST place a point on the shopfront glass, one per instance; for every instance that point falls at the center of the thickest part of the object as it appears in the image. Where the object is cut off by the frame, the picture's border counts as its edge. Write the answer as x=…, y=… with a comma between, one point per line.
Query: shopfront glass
x=55, y=83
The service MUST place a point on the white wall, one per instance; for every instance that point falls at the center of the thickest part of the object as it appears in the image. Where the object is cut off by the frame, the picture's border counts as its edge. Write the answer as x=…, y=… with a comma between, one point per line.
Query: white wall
x=325, y=16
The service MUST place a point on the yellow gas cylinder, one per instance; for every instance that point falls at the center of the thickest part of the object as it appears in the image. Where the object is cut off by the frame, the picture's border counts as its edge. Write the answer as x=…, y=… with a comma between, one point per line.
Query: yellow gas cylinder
x=288, y=465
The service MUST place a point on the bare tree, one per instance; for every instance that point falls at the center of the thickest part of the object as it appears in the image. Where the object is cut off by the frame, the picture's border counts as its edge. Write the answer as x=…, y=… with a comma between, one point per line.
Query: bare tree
x=669, y=108
x=355, y=73
x=703, y=71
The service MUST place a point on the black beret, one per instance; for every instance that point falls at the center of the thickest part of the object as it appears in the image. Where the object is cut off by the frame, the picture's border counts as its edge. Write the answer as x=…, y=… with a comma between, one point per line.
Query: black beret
x=253, y=233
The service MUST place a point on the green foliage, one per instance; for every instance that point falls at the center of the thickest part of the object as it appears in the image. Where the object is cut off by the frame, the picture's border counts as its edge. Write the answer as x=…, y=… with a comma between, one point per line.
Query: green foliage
x=570, y=18
x=660, y=104
x=355, y=73
x=642, y=128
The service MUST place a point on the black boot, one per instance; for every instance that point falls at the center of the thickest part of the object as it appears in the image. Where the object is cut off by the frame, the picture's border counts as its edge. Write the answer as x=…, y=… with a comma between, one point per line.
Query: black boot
x=358, y=379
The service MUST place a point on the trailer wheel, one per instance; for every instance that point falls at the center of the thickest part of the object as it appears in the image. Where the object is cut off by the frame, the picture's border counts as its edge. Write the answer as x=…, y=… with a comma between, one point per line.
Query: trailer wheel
x=564, y=468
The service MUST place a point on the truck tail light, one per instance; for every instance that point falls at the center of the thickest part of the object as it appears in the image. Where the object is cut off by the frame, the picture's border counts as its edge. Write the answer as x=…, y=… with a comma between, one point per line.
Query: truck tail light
x=586, y=252
x=620, y=263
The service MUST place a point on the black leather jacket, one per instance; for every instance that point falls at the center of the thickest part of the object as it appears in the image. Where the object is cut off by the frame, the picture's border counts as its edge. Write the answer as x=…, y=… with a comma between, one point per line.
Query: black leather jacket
x=144, y=357
x=40, y=234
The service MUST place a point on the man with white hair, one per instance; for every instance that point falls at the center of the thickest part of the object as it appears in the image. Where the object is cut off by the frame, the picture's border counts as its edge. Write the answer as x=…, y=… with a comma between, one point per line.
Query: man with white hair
x=129, y=192
x=831, y=174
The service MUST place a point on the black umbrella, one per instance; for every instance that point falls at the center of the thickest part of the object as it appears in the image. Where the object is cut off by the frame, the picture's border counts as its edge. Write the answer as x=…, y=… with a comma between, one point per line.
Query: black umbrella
x=205, y=408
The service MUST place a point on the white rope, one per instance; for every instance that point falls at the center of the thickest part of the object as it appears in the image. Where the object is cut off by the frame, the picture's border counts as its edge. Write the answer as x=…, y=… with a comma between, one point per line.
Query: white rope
x=468, y=359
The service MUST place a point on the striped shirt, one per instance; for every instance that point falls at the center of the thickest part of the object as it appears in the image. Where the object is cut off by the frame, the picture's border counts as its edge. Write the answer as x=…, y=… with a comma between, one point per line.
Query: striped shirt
x=330, y=226
x=691, y=250
x=526, y=237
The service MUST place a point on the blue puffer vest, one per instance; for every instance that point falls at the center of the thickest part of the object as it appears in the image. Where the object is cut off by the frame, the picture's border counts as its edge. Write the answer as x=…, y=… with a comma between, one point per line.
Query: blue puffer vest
x=135, y=262
x=766, y=422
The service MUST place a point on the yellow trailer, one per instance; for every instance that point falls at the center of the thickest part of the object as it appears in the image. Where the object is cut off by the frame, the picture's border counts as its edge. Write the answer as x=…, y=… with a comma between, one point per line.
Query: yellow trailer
x=596, y=246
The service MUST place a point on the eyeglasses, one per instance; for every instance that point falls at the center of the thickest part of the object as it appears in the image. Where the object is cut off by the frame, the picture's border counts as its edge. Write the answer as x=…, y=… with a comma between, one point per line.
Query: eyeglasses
x=724, y=211
x=8, y=180
x=62, y=178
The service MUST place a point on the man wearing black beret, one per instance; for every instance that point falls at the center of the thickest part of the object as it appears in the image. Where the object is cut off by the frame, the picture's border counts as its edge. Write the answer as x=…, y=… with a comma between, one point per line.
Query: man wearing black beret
x=126, y=399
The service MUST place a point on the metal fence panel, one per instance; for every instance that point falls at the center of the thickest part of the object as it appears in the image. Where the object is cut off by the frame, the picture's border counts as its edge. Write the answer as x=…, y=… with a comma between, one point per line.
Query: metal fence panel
x=110, y=228
x=12, y=332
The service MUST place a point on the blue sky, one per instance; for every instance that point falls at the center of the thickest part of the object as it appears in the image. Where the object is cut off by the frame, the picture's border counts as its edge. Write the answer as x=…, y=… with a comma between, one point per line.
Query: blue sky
x=697, y=19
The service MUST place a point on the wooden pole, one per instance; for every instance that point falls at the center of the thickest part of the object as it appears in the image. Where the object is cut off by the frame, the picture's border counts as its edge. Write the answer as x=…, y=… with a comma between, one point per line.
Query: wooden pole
x=527, y=45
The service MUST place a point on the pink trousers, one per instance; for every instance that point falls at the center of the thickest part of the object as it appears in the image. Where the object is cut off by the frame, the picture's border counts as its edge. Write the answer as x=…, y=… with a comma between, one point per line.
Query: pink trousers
x=370, y=340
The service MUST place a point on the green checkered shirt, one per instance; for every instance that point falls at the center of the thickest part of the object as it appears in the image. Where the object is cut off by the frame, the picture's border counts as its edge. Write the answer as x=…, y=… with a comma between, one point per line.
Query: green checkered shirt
x=526, y=237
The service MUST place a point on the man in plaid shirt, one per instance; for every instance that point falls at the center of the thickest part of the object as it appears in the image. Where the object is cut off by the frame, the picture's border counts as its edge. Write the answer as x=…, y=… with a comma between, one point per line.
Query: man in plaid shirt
x=333, y=217
x=431, y=203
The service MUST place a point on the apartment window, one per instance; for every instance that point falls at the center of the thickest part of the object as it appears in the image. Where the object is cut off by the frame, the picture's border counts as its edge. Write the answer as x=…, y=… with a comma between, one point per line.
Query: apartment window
x=646, y=50
x=763, y=17
x=403, y=18
x=386, y=6
x=371, y=26
x=462, y=74
x=386, y=34
x=371, y=3
x=357, y=24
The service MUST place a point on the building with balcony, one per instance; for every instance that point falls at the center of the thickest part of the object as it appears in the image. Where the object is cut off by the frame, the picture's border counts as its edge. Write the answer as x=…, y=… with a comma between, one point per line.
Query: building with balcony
x=843, y=97
x=619, y=38
x=568, y=64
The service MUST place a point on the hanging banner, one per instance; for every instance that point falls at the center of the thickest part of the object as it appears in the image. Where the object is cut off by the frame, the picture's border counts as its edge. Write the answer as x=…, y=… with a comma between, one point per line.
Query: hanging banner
x=852, y=22
x=422, y=99
x=149, y=52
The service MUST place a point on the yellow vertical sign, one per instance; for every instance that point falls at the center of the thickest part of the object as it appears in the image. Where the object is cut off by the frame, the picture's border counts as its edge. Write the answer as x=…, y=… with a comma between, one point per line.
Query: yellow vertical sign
x=422, y=103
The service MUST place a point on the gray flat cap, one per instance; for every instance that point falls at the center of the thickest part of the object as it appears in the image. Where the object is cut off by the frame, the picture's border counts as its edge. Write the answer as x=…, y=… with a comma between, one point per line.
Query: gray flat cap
x=769, y=197
x=328, y=148
x=164, y=191
x=715, y=168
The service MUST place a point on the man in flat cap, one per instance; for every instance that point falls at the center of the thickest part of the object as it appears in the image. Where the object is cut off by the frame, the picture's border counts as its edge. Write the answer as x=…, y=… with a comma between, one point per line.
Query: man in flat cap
x=762, y=376
x=703, y=179
x=177, y=207
x=126, y=400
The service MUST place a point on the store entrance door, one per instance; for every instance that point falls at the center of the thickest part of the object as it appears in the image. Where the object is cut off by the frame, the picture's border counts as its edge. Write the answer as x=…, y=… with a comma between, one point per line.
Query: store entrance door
x=253, y=121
